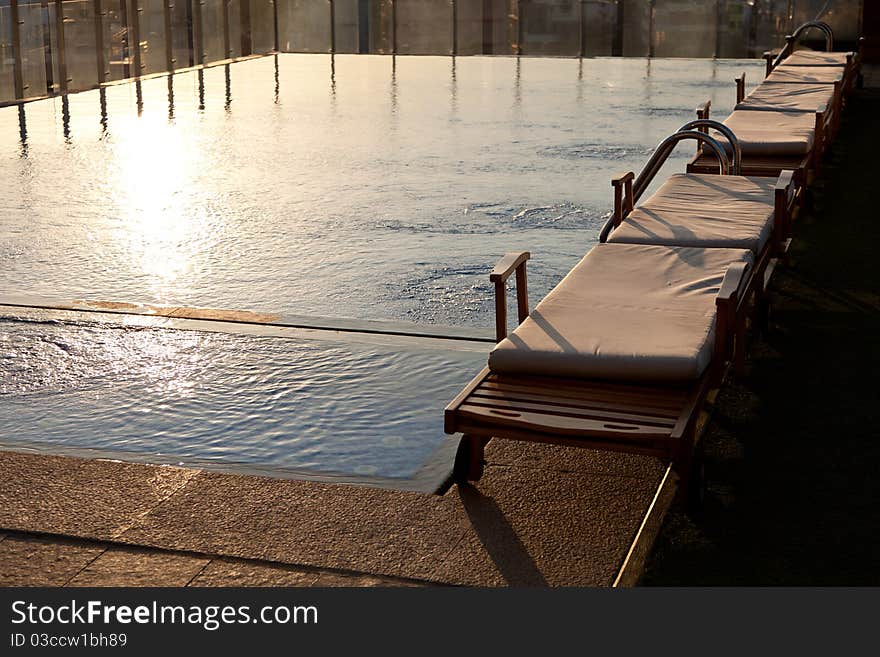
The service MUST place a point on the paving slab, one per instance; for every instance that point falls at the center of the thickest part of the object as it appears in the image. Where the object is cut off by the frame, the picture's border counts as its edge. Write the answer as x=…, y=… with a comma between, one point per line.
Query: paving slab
x=361, y=581
x=546, y=528
x=80, y=497
x=375, y=531
x=229, y=572
x=38, y=561
x=139, y=567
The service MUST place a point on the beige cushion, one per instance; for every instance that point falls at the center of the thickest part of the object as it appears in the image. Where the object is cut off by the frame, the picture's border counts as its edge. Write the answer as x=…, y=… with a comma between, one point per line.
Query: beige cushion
x=816, y=58
x=703, y=210
x=628, y=312
x=773, y=133
x=806, y=74
x=790, y=97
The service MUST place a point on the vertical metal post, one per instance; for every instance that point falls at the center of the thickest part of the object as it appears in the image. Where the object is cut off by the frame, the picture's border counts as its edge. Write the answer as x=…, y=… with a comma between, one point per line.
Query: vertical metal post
x=718, y=12
x=454, y=27
x=582, y=41
x=363, y=26
x=651, y=28
x=198, y=35
x=227, y=47
x=393, y=27
x=518, y=32
x=332, y=27
x=277, y=47
x=47, y=48
x=62, y=55
x=617, y=40
x=190, y=31
x=134, y=38
x=99, y=42
x=169, y=52
x=17, y=64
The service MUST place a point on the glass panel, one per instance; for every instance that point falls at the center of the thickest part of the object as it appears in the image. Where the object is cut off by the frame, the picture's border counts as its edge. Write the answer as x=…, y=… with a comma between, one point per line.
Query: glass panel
x=771, y=24
x=33, y=48
x=234, y=27
x=7, y=84
x=380, y=27
x=80, y=54
x=550, y=27
x=152, y=36
x=843, y=17
x=685, y=28
x=212, y=30
x=118, y=41
x=304, y=25
x=469, y=21
x=424, y=26
x=181, y=33
x=262, y=26
x=600, y=25
x=348, y=14
x=636, y=27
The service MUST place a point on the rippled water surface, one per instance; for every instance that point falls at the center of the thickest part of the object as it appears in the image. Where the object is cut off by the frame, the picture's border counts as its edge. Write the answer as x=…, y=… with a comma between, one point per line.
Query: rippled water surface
x=364, y=187
x=197, y=398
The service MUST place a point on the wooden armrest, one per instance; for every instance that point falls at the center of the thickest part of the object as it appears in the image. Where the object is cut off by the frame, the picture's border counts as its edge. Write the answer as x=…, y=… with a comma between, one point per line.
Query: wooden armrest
x=733, y=279
x=507, y=265
x=783, y=183
x=703, y=110
x=740, y=87
x=622, y=178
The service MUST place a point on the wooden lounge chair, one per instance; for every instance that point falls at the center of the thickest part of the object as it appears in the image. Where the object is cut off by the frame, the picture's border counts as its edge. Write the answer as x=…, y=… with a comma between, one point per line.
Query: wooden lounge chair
x=771, y=142
x=705, y=210
x=848, y=62
x=620, y=356
x=799, y=97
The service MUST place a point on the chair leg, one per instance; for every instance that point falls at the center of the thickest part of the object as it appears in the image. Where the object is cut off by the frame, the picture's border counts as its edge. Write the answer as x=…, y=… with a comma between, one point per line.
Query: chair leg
x=691, y=480
x=470, y=458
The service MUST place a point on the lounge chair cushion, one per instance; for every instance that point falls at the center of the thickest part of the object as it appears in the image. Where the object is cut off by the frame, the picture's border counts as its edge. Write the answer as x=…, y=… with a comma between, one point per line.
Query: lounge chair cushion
x=806, y=74
x=703, y=210
x=791, y=97
x=816, y=58
x=772, y=133
x=628, y=312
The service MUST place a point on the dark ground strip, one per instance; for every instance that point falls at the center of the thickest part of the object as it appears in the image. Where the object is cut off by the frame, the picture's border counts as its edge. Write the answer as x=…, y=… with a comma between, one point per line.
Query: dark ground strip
x=792, y=454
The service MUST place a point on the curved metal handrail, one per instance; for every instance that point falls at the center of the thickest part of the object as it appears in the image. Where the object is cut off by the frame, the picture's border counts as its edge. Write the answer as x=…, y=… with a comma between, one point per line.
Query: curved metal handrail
x=792, y=38
x=665, y=148
x=661, y=154
x=736, y=160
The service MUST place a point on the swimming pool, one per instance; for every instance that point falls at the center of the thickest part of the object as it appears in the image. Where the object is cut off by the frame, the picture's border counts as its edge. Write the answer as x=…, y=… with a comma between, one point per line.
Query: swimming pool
x=362, y=186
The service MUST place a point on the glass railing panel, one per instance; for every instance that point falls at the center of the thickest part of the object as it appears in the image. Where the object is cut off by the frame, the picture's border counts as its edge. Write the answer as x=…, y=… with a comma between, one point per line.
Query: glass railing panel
x=234, y=9
x=469, y=23
x=119, y=43
x=214, y=48
x=80, y=46
x=599, y=28
x=151, y=36
x=685, y=28
x=181, y=33
x=7, y=56
x=550, y=27
x=34, y=36
x=424, y=27
x=262, y=26
x=304, y=25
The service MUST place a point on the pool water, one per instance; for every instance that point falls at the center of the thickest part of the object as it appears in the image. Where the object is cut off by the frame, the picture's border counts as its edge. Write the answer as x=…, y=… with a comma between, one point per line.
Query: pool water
x=337, y=407
x=359, y=186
